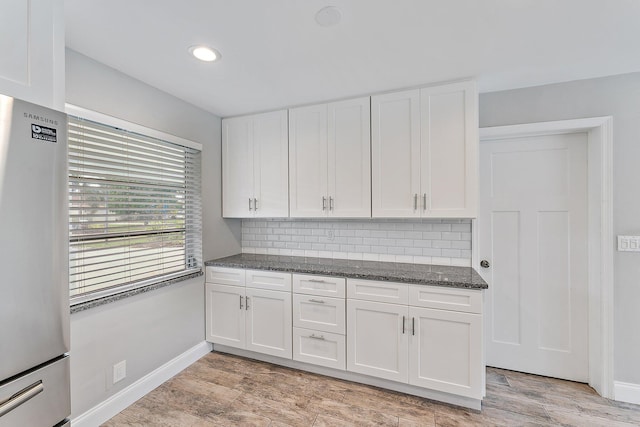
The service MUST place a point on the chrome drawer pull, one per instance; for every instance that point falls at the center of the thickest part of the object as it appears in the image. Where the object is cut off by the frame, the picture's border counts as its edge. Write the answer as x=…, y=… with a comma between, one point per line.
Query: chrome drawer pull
x=319, y=301
x=316, y=281
x=315, y=337
x=21, y=397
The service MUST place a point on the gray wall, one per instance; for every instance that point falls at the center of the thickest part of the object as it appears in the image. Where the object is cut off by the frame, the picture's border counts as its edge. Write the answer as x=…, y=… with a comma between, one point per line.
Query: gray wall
x=149, y=329
x=617, y=96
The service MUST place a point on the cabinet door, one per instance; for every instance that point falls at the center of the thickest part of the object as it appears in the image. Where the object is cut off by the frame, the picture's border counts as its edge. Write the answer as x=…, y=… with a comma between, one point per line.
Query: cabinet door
x=308, y=161
x=32, y=51
x=349, y=158
x=271, y=164
x=449, y=180
x=269, y=322
x=395, y=154
x=225, y=315
x=445, y=351
x=237, y=167
x=377, y=339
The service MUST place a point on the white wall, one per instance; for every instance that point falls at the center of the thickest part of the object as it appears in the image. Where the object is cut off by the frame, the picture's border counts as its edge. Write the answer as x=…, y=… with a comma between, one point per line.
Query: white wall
x=152, y=328
x=617, y=96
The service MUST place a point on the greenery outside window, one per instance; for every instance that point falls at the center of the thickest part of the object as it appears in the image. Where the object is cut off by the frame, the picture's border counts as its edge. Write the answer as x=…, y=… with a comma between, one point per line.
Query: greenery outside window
x=134, y=209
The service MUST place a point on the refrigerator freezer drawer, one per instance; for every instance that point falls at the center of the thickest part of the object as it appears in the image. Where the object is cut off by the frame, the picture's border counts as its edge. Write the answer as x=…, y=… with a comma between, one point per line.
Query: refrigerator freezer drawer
x=39, y=398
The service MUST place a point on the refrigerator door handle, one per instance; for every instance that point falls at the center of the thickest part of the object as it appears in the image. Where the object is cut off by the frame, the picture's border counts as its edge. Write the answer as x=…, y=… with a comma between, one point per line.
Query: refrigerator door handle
x=21, y=397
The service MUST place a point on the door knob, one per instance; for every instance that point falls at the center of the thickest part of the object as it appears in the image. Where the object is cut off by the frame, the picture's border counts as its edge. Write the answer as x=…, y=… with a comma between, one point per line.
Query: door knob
x=484, y=263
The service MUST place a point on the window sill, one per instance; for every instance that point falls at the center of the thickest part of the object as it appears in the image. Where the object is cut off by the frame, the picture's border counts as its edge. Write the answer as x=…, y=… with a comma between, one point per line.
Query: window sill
x=86, y=305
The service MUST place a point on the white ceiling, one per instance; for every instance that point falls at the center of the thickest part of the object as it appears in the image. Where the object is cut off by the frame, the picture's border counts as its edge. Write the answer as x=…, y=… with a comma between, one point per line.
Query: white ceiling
x=274, y=55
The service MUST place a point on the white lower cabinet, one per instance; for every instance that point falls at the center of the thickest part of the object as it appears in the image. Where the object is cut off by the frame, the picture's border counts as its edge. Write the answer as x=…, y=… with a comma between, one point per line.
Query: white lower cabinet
x=424, y=336
x=377, y=339
x=250, y=318
x=445, y=351
x=431, y=348
x=319, y=348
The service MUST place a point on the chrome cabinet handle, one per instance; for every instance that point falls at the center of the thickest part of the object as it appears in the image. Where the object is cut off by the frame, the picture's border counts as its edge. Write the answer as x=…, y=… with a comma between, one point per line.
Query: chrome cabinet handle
x=324, y=203
x=415, y=202
x=246, y=303
x=21, y=397
x=241, y=302
x=403, y=324
x=316, y=337
x=424, y=202
x=413, y=326
x=319, y=301
x=330, y=203
x=249, y=203
x=316, y=281
x=255, y=204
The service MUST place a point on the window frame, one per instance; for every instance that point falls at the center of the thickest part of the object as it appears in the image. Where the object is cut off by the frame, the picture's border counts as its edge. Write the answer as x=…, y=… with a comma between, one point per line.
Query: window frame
x=152, y=282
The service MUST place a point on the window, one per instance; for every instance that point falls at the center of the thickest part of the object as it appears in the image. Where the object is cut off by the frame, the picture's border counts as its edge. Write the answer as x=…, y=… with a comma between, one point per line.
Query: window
x=134, y=210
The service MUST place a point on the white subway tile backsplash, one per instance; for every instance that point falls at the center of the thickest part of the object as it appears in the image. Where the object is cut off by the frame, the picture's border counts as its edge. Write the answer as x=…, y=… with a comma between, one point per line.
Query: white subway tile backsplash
x=432, y=241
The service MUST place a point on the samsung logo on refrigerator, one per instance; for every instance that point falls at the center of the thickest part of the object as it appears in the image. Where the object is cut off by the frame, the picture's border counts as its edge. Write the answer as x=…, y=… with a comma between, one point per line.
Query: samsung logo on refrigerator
x=40, y=118
x=43, y=133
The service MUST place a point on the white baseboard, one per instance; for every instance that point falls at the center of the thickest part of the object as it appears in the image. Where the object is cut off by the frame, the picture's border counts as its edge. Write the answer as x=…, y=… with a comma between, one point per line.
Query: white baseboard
x=125, y=397
x=626, y=392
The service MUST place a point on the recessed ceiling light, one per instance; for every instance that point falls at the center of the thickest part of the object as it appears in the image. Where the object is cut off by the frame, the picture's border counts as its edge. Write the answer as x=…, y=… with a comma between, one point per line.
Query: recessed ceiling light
x=204, y=53
x=328, y=16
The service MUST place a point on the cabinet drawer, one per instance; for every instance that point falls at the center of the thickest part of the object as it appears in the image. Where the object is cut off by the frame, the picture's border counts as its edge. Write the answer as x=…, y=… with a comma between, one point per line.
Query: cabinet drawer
x=320, y=313
x=225, y=276
x=273, y=280
x=372, y=290
x=319, y=285
x=464, y=300
x=319, y=348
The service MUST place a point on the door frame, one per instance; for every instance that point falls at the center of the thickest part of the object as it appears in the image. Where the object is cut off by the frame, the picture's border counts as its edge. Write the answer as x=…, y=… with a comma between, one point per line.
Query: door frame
x=600, y=231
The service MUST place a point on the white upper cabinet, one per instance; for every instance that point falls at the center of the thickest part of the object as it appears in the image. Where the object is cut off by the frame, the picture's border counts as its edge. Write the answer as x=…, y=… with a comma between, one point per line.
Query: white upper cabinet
x=424, y=152
x=329, y=160
x=254, y=166
x=32, y=51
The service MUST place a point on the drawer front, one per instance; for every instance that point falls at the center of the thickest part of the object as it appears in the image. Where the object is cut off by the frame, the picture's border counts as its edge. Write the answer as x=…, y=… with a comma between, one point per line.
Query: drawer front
x=320, y=313
x=319, y=285
x=225, y=276
x=464, y=300
x=272, y=280
x=319, y=348
x=372, y=290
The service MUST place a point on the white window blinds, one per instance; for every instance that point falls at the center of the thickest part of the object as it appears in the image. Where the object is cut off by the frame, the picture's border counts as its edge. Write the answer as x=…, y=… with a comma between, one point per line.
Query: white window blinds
x=134, y=210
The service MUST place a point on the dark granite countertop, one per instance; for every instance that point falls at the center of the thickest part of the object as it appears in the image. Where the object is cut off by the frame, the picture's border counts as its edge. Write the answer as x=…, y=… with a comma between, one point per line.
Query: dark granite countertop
x=421, y=274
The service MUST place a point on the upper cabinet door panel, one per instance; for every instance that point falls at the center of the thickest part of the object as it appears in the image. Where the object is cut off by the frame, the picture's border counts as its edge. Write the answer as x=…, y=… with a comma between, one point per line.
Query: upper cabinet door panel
x=271, y=173
x=237, y=167
x=33, y=55
x=449, y=150
x=349, y=165
x=395, y=154
x=308, y=161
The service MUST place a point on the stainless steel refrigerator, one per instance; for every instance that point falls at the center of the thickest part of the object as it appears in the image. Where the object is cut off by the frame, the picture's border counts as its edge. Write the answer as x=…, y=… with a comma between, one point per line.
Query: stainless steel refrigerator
x=34, y=295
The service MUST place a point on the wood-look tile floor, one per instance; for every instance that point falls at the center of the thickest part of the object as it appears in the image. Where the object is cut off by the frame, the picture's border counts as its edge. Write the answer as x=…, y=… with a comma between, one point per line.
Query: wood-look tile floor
x=225, y=390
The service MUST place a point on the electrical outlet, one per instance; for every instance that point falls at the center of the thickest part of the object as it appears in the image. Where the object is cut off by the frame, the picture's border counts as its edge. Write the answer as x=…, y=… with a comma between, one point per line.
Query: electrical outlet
x=119, y=371
x=629, y=243
x=331, y=234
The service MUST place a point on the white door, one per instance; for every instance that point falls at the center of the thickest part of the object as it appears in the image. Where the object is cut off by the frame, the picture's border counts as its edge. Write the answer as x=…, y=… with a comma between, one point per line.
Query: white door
x=271, y=164
x=349, y=154
x=532, y=228
x=269, y=322
x=237, y=167
x=445, y=351
x=395, y=154
x=308, y=161
x=377, y=339
x=225, y=315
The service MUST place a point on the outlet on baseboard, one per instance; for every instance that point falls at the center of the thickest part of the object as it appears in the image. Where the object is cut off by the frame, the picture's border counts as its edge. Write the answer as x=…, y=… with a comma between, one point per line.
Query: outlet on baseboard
x=119, y=371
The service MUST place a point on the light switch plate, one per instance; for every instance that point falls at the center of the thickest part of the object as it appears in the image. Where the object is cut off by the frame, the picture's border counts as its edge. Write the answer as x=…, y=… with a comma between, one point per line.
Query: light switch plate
x=629, y=243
